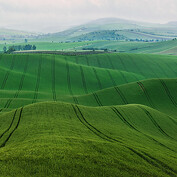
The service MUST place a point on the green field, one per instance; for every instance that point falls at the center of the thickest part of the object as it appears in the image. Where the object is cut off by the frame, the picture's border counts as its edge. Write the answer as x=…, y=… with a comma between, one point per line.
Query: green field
x=88, y=115
x=165, y=47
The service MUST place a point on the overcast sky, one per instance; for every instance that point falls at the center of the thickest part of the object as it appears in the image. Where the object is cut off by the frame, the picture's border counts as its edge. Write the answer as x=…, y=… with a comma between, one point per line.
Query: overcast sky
x=53, y=15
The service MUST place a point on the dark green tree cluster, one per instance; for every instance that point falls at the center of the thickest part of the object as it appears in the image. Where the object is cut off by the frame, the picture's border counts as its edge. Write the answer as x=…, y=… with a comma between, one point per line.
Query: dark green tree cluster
x=19, y=48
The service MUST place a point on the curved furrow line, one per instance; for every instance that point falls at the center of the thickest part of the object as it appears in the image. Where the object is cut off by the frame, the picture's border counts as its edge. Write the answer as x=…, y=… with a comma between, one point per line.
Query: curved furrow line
x=172, y=172
x=152, y=71
x=121, y=95
x=7, y=139
x=119, y=115
x=125, y=69
x=168, y=92
x=53, y=79
x=163, y=71
x=37, y=81
x=93, y=129
x=98, y=61
x=8, y=73
x=136, y=66
x=110, y=139
x=122, y=118
x=77, y=62
x=1, y=57
x=69, y=83
x=146, y=94
x=151, y=161
x=171, y=69
x=7, y=105
x=110, y=61
x=123, y=76
x=111, y=78
x=97, y=99
x=98, y=80
x=87, y=61
x=10, y=125
x=83, y=80
x=154, y=122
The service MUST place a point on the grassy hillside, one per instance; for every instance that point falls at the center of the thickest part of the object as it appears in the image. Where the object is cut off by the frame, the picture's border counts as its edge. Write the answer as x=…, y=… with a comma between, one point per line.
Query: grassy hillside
x=129, y=29
x=57, y=139
x=165, y=47
x=32, y=78
x=88, y=115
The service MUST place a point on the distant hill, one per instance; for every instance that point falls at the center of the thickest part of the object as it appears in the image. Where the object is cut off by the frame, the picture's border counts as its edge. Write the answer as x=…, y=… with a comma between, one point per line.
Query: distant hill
x=172, y=23
x=139, y=30
x=14, y=35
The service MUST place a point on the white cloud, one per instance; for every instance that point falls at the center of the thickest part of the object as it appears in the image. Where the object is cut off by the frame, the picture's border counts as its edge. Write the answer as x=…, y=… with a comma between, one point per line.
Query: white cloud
x=39, y=14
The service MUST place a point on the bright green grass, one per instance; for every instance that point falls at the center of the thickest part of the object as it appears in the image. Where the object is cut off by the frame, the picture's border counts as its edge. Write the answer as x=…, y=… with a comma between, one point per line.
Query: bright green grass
x=137, y=47
x=56, y=139
x=52, y=45
x=101, y=138
x=167, y=47
x=26, y=79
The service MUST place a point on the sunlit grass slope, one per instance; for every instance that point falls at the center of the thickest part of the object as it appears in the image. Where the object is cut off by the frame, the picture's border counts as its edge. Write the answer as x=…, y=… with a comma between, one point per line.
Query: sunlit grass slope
x=57, y=139
x=88, y=115
x=26, y=79
x=160, y=94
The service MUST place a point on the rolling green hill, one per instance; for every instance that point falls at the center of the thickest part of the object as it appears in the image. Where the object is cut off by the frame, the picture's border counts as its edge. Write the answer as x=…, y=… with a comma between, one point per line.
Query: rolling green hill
x=88, y=115
x=127, y=28
x=165, y=47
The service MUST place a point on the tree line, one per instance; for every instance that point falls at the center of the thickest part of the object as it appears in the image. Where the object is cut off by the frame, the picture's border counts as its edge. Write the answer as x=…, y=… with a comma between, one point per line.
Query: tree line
x=18, y=48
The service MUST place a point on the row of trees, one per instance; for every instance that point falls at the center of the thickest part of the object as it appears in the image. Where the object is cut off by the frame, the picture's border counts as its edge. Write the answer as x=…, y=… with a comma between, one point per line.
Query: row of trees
x=18, y=48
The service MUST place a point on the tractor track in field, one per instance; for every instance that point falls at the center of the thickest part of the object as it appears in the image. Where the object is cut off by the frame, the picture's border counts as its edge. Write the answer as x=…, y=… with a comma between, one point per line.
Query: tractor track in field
x=7, y=105
x=121, y=95
x=154, y=122
x=77, y=62
x=20, y=85
x=69, y=83
x=8, y=73
x=146, y=94
x=98, y=61
x=150, y=160
x=10, y=125
x=91, y=127
x=136, y=66
x=98, y=80
x=111, y=78
x=122, y=118
x=145, y=157
x=37, y=81
x=165, y=166
x=152, y=71
x=87, y=61
x=19, y=118
x=124, y=67
x=119, y=115
x=1, y=57
x=171, y=69
x=132, y=127
x=168, y=92
x=163, y=71
x=83, y=80
x=110, y=61
x=123, y=76
x=97, y=99
x=53, y=79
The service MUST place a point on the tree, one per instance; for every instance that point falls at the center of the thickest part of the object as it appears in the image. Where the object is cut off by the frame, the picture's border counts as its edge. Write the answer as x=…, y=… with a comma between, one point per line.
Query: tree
x=34, y=47
x=26, y=40
x=5, y=49
x=11, y=49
